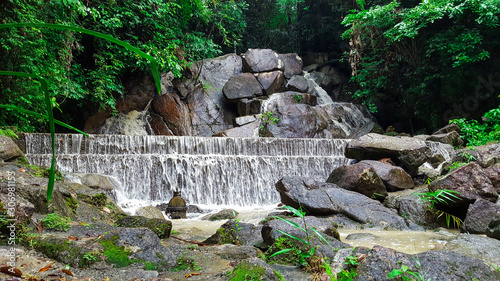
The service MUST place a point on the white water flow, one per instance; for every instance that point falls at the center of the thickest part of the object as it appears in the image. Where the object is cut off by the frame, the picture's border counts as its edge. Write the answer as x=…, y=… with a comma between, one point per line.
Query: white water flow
x=239, y=172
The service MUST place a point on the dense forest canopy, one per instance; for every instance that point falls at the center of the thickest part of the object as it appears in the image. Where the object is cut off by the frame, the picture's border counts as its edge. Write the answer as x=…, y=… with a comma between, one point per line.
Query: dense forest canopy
x=416, y=63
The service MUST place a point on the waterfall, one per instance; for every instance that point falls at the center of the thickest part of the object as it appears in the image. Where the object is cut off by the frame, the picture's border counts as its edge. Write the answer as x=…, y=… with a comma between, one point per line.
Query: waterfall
x=213, y=171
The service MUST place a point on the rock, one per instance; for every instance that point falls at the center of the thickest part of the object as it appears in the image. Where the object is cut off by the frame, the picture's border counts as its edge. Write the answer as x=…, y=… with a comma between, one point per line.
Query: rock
x=243, y=85
x=209, y=110
x=297, y=120
x=271, y=81
x=98, y=181
x=361, y=237
x=393, y=177
x=433, y=265
x=485, y=155
x=95, y=122
x=479, y=216
x=249, y=106
x=243, y=120
x=407, y=152
x=175, y=113
x=140, y=90
x=470, y=181
x=270, y=230
x=293, y=64
x=447, y=129
x=234, y=252
x=411, y=207
x=493, y=230
x=321, y=199
x=298, y=84
x=250, y=130
x=150, y=212
x=361, y=178
x=194, y=209
x=8, y=149
x=262, y=60
x=158, y=125
x=227, y=214
x=476, y=246
x=240, y=233
x=493, y=173
x=160, y=227
x=452, y=138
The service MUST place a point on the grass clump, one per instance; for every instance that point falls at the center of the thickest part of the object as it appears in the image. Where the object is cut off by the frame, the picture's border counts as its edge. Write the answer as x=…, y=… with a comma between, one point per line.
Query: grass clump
x=56, y=222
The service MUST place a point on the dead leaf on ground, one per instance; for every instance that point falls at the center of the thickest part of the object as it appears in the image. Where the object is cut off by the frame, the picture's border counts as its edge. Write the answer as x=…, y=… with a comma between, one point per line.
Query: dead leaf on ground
x=68, y=272
x=12, y=271
x=73, y=238
x=46, y=268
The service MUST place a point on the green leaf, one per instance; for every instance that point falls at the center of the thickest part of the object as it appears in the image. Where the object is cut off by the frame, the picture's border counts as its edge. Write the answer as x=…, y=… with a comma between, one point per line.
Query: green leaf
x=293, y=237
x=281, y=252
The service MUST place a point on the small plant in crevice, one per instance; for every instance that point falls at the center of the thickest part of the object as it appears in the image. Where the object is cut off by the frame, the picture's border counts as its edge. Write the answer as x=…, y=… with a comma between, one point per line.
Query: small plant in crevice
x=305, y=252
x=268, y=117
x=236, y=229
x=56, y=222
x=184, y=262
x=298, y=98
x=89, y=258
x=405, y=274
x=468, y=158
x=441, y=196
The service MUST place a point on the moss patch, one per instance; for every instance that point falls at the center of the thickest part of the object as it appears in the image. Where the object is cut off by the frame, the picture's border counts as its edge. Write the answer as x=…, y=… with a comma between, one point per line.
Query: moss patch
x=160, y=227
x=246, y=271
x=117, y=255
x=72, y=204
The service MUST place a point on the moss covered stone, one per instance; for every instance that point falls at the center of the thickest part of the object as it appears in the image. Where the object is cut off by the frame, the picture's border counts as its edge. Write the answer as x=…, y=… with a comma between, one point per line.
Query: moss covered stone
x=246, y=271
x=160, y=227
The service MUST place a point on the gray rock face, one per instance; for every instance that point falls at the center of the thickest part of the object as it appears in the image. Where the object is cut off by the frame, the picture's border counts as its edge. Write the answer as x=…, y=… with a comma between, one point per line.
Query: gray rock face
x=493, y=173
x=479, y=216
x=407, y=152
x=433, y=265
x=411, y=207
x=262, y=60
x=360, y=177
x=298, y=84
x=160, y=227
x=209, y=110
x=150, y=213
x=8, y=149
x=293, y=64
x=271, y=82
x=250, y=130
x=98, y=181
x=493, y=230
x=470, y=181
x=476, y=246
x=452, y=138
x=232, y=232
x=299, y=120
x=249, y=106
x=270, y=230
x=227, y=214
x=321, y=199
x=447, y=129
x=243, y=85
x=486, y=155
x=393, y=177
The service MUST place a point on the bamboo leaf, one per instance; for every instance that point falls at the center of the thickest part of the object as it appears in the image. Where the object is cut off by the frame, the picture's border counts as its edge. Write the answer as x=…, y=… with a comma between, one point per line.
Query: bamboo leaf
x=281, y=252
x=293, y=237
x=295, y=212
x=320, y=236
x=292, y=223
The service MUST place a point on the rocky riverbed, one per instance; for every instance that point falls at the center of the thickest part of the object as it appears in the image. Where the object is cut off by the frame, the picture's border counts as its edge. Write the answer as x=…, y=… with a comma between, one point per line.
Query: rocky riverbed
x=101, y=242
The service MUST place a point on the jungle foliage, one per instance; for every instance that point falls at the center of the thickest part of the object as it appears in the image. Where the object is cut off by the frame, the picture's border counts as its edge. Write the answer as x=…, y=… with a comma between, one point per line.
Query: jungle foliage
x=86, y=69
x=427, y=57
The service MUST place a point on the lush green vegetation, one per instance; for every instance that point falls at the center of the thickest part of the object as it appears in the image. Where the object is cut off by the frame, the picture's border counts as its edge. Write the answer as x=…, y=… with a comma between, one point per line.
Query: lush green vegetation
x=428, y=58
x=478, y=133
x=81, y=69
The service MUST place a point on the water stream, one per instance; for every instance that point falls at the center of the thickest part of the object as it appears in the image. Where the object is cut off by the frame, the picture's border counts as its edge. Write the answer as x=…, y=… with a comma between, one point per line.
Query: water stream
x=237, y=172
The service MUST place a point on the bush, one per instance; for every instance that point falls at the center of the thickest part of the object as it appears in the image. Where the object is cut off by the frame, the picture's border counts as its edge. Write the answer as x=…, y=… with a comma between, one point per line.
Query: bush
x=475, y=133
x=56, y=222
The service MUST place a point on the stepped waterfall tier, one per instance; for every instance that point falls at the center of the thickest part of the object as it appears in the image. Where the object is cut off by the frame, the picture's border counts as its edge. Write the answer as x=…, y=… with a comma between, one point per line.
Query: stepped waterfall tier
x=212, y=171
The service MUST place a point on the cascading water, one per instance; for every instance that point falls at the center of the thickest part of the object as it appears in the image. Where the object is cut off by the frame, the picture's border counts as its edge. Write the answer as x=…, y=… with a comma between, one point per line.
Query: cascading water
x=212, y=171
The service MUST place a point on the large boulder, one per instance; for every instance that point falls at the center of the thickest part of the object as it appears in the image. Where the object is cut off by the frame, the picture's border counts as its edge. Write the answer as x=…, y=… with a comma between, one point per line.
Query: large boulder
x=96, y=181
x=8, y=149
x=293, y=64
x=470, y=181
x=485, y=155
x=150, y=212
x=393, y=177
x=175, y=113
x=479, y=215
x=433, y=265
x=298, y=84
x=235, y=232
x=262, y=60
x=321, y=199
x=406, y=152
x=160, y=227
x=210, y=112
x=493, y=173
x=452, y=138
x=360, y=177
x=476, y=246
x=271, y=81
x=243, y=85
x=411, y=207
x=300, y=120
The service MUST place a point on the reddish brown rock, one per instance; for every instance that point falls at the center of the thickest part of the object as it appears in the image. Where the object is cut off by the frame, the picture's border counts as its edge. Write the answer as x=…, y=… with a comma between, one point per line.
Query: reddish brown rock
x=175, y=113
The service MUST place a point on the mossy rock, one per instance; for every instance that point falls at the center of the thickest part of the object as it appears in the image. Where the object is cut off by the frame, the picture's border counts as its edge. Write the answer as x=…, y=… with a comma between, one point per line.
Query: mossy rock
x=162, y=228
x=227, y=214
